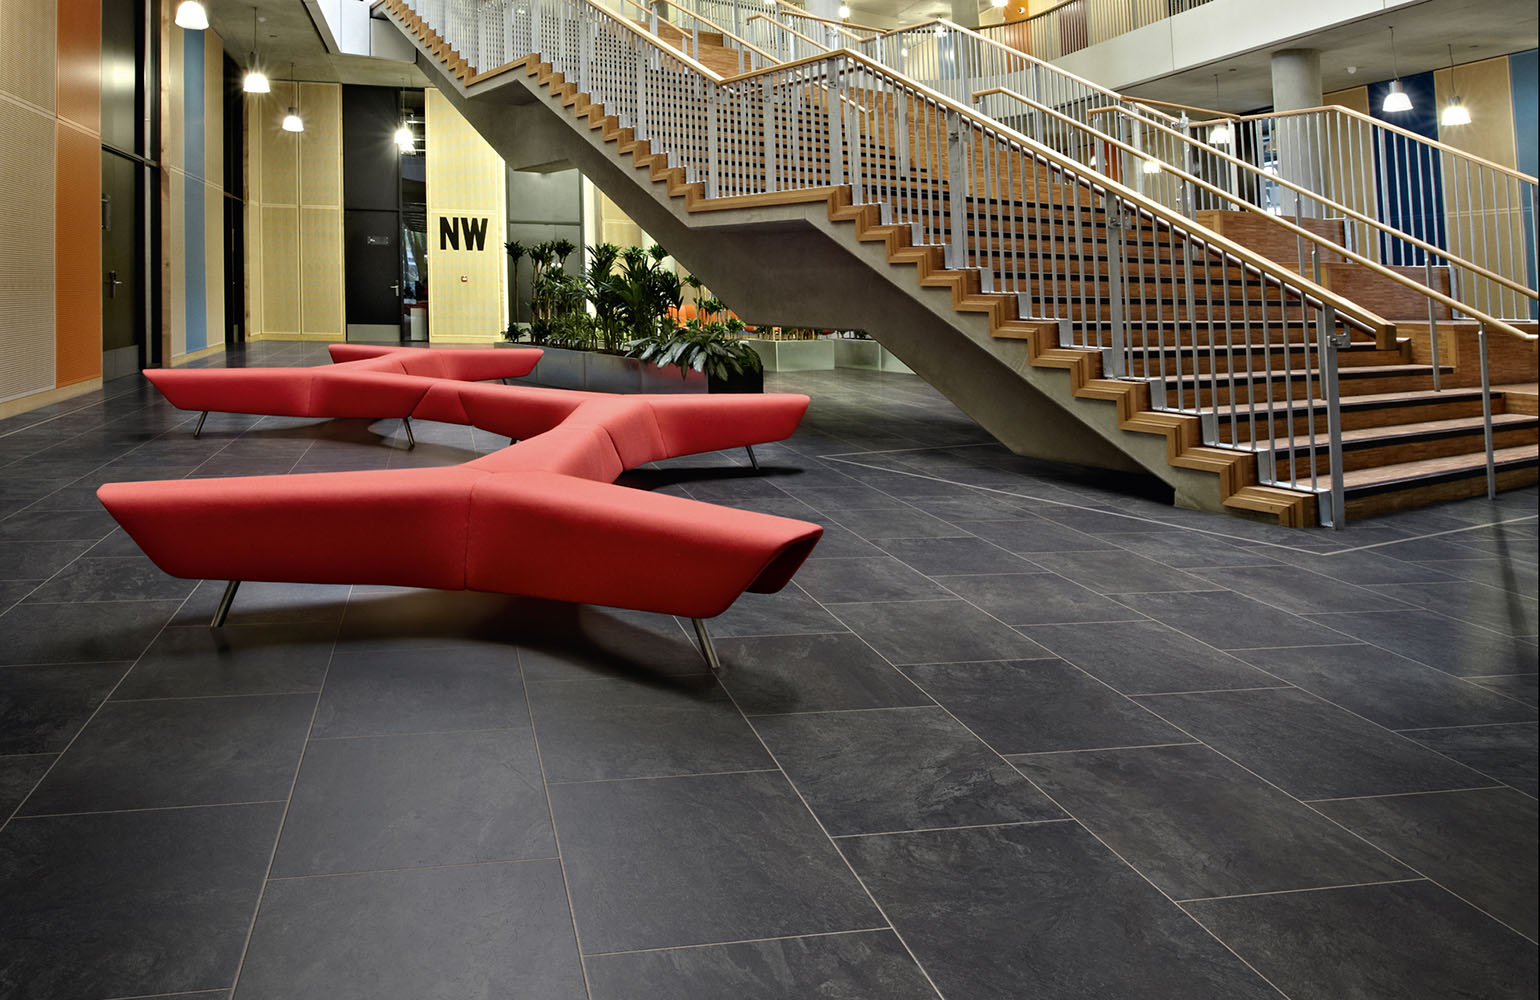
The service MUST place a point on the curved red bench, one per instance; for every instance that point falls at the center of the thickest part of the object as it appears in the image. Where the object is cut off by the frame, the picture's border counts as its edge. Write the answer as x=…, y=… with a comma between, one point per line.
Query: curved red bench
x=540, y=518
x=368, y=381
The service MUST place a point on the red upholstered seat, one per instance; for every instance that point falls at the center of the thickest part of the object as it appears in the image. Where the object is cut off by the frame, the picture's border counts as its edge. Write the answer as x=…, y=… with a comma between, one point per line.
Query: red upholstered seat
x=540, y=518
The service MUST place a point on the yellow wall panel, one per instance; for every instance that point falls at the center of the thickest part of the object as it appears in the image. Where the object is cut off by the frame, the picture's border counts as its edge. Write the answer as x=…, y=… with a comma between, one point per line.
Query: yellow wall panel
x=172, y=140
x=320, y=155
x=280, y=270
x=27, y=352
x=214, y=260
x=1486, y=90
x=28, y=67
x=321, y=284
x=1354, y=99
x=467, y=288
x=278, y=151
x=176, y=284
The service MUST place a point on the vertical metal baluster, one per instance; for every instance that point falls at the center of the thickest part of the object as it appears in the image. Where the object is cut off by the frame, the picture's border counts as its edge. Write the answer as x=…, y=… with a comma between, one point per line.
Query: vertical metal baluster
x=1117, y=281
x=1486, y=412
x=1213, y=348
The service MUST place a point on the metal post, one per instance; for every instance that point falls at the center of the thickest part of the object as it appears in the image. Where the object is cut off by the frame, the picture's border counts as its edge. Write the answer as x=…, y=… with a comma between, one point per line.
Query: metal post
x=1432, y=321
x=957, y=190
x=1486, y=412
x=1116, y=263
x=752, y=460
x=713, y=153
x=406, y=425
x=1327, y=342
x=201, y=418
x=639, y=122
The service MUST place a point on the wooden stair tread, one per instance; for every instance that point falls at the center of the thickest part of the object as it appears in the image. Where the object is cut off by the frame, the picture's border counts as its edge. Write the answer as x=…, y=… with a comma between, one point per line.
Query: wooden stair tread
x=1421, y=429
x=1408, y=473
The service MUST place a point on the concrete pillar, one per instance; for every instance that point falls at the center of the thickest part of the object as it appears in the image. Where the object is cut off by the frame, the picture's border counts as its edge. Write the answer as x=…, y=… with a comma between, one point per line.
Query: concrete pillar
x=965, y=13
x=823, y=8
x=1297, y=85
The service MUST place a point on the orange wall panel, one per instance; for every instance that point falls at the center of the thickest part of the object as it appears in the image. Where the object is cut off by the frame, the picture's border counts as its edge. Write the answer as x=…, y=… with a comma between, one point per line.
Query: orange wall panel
x=78, y=256
x=80, y=63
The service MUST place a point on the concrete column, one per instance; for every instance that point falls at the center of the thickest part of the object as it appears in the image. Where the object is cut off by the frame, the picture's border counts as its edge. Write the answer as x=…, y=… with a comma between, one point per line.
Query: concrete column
x=966, y=13
x=823, y=8
x=1297, y=85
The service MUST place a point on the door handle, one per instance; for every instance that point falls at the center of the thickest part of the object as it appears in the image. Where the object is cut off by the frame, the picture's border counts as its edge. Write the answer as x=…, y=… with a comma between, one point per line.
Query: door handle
x=395, y=286
x=112, y=284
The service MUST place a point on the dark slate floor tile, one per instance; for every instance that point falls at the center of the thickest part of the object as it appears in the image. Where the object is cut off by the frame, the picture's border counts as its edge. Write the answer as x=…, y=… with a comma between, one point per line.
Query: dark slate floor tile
x=421, y=691
x=1379, y=942
x=30, y=560
x=1502, y=573
x=90, y=579
x=1363, y=568
x=397, y=618
x=1196, y=825
x=261, y=603
x=946, y=556
x=981, y=507
x=834, y=500
x=841, y=543
x=492, y=930
x=1308, y=748
x=620, y=728
x=1298, y=591
x=772, y=675
x=1035, y=599
x=1190, y=549
x=1506, y=753
x=1029, y=533
x=1214, y=617
x=186, y=752
x=1454, y=646
x=789, y=612
x=115, y=543
x=1480, y=845
x=1035, y=706
x=12, y=591
x=80, y=633
x=935, y=632
x=42, y=708
x=235, y=659
x=1520, y=687
x=49, y=525
x=1118, y=572
x=129, y=904
x=698, y=860
x=879, y=578
x=1146, y=657
x=1499, y=610
x=415, y=801
x=1388, y=688
x=896, y=523
x=575, y=641
x=871, y=964
x=993, y=912
x=898, y=769
x=17, y=776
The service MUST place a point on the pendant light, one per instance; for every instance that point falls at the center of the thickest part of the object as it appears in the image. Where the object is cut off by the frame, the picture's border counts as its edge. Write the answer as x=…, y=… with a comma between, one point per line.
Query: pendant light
x=1396, y=99
x=405, y=141
x=1455, y=112
x=191, y=16
x=255, y=81
x=844, y=11
x=997, y=3
x=1219, y=135
x=292, y=122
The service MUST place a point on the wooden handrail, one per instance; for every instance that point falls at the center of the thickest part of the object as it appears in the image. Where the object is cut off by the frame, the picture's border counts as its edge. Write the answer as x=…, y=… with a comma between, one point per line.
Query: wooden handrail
x=842, y=25
x=1353, y=213
x=1296, y=230
x=789, y=28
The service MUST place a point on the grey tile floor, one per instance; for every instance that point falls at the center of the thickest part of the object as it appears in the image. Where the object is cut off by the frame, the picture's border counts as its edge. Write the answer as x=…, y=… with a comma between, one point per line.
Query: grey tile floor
x=1015, y=731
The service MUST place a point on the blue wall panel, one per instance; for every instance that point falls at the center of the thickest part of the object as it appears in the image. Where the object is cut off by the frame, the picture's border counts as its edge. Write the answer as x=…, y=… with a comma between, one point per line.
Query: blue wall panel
x=1522, y=75
x=194, y=192
x=1411, y=196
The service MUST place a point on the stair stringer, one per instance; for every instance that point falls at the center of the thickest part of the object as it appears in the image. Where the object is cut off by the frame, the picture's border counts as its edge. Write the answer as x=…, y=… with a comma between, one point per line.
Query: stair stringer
x=1007, y=374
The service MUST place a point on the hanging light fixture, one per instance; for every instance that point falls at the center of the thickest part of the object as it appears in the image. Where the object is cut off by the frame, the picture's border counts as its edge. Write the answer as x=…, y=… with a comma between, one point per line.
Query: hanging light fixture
x=1152, y=167
x=191, y=16
x=1455, y=112
x=1219, y=135
x=292, y=122
x=997, y=3
x=255, y=81
x=1397, y=99
x=844, y=11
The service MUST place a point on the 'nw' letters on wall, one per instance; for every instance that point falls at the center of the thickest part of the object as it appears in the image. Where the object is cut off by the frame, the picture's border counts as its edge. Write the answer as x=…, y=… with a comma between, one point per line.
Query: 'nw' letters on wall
x=451, y=230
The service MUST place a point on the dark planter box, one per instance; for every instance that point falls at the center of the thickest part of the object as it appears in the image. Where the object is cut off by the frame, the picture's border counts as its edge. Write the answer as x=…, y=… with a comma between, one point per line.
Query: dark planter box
x=563, y=368
x=745, y=381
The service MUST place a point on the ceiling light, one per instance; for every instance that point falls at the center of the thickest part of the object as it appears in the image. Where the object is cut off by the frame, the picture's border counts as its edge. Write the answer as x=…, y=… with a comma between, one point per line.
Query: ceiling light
x=903, y=53
x=940, y=30
x=1219, y=135
x=997, y=3
x=1397, y=98
x=1152, y=167
x=1455, y=112
x=405, y=141
x=292, y=122
x=844, y=11
x=191, y=16
x=255, y=81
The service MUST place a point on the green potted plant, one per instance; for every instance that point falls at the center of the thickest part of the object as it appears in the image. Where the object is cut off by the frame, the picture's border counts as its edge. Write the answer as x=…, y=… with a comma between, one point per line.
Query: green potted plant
x=711, y=348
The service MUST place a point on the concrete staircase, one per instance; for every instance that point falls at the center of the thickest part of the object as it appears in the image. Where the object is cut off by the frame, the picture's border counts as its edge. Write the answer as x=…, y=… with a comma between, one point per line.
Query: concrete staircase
x=808, y=256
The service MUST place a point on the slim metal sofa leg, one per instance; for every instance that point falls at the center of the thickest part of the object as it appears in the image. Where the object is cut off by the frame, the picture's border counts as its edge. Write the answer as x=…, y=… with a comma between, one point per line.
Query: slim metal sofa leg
x=201, y=418
x=752, y=460
x=411, y=442
x=706, y=648
x=223, y=611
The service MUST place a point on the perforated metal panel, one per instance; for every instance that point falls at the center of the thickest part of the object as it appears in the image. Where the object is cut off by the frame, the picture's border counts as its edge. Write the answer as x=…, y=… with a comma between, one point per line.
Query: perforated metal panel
x=27, y=356
x=28, y=33
x=321, y=145
x=321, y=281
x=280, y=270
x=278, y=150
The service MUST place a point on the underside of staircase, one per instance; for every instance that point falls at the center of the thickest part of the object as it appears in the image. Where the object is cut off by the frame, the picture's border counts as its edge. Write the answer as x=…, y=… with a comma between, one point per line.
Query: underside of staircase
x=810, y=257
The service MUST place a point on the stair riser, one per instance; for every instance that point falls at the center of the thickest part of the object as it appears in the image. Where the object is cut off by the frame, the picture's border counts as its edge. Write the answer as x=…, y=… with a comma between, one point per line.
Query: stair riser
x=1447, y=446
x=1352, y=419
x=1296, y=389
x=1238, y=363
x=1474, y=485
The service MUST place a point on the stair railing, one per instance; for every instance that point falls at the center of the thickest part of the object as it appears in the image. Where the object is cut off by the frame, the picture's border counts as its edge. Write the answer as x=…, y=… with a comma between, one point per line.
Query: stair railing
x=1078, y=24
x=1149, y=289
x=750, y=56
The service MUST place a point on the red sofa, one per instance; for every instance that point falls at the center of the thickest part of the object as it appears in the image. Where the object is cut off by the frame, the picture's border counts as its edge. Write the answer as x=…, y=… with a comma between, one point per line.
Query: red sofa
x=540, y=518
x=368, y=381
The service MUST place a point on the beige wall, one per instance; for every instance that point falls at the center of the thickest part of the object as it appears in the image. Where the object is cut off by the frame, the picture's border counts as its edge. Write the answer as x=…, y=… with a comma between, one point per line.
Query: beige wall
x=467, y=288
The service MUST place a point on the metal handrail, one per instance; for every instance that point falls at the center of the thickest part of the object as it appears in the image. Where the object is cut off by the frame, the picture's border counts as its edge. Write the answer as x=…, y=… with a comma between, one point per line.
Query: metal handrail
x=1110, y=261
x=1102, y=15
x=842, y=25
x=744, y=45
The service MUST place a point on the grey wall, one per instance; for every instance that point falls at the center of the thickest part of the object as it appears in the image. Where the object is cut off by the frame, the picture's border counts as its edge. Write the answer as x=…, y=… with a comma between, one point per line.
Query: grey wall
x=544, y=206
